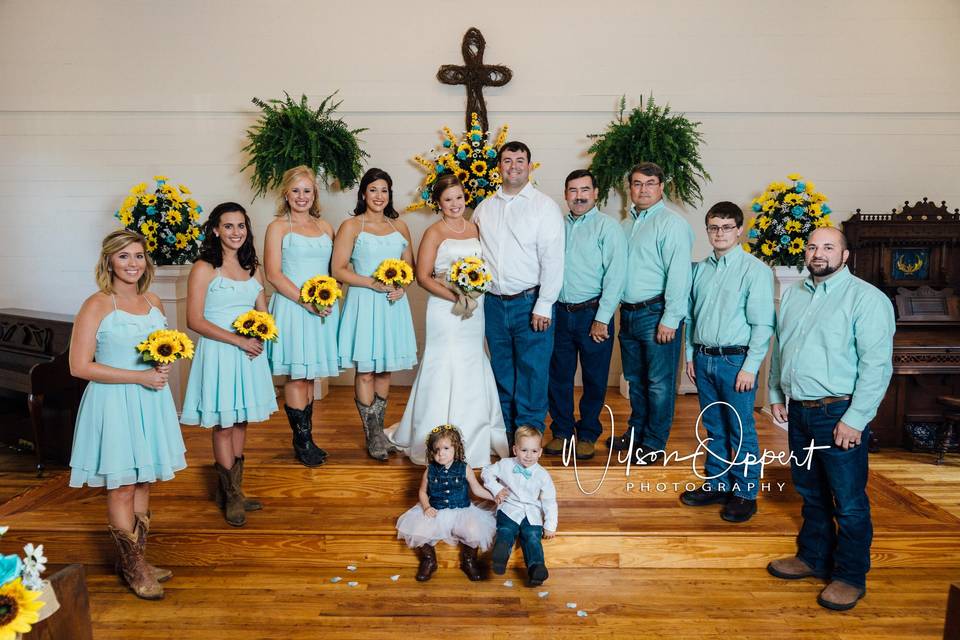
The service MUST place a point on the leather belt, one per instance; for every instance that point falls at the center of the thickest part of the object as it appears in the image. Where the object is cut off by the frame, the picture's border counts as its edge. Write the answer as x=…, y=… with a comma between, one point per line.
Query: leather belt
x=721, y=351
x=570, y=307
x=636, y=306
x=815, y=404
x=512, y=296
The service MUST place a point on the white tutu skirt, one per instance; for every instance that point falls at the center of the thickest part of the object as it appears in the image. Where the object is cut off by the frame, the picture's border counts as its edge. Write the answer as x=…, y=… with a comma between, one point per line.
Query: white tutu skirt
x=472, y=526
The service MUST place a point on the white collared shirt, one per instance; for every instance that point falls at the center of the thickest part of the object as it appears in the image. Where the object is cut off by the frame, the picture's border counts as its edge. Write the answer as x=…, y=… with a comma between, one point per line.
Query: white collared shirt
x=522, y=239
x=533, y=498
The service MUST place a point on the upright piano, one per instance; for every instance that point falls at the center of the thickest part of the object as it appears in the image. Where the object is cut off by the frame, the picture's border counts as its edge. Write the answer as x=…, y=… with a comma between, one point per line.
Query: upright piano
x=38, y=396
x=913, y=255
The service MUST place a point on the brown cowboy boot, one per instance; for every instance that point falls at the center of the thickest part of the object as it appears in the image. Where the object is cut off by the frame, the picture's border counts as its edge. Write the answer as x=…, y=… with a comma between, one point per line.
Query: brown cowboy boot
x=375, y=445
x=142, y=529
x=428, y=562
x=249, y=504
x=469, y=563
x=233, y=511
x=380, y=407
x=134, y=569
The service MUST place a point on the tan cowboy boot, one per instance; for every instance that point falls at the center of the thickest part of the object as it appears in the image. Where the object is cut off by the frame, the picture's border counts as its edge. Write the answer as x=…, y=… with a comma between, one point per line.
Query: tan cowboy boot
x=249, y=504
x=233, y=511
x=142, y=529
x=134, y=569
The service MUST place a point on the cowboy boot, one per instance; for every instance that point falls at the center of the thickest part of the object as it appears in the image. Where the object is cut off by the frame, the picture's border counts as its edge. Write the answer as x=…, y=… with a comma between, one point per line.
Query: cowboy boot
x=469, y=563
x=428, y=562
x=142, y=529
x=380, y=406
x=233, y=511
x=368, y=415
x=249, y=504
x=301, y=422
x=133, y=568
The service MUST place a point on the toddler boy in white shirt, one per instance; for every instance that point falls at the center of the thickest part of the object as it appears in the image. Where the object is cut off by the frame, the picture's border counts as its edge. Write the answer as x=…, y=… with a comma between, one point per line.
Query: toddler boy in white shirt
x=526, y=504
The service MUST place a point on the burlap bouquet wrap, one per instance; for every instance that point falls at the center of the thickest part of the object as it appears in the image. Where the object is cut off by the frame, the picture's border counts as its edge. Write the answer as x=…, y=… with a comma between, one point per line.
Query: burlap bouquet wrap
x=466, y=302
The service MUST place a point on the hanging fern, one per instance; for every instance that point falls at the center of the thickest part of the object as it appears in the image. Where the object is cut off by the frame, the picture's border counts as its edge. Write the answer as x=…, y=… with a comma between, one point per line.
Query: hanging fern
x=650, y=134
x=290, y=133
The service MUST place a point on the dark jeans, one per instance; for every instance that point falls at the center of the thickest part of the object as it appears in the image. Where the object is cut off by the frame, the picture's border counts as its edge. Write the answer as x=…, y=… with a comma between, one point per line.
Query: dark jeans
x=507, y=532
x=730, y=439
x=651, y=370
x=571, y=340
x=835, y=537
x=519, y=357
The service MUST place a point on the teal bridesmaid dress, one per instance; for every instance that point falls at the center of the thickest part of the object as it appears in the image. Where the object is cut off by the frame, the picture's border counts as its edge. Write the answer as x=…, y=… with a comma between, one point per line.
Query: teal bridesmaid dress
x=306, y=345
x=125, y=433
x=226, y=387
x=376, y=335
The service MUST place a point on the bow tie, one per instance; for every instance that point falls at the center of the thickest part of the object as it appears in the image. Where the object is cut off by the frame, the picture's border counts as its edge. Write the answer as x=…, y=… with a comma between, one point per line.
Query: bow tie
x=526, y=473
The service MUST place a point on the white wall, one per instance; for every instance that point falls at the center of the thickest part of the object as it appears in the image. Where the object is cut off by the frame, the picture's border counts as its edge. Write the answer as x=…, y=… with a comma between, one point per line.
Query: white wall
x=862, y=97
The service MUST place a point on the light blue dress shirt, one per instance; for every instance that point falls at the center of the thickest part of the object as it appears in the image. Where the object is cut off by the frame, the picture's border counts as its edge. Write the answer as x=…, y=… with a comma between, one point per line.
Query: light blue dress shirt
x=595, y=263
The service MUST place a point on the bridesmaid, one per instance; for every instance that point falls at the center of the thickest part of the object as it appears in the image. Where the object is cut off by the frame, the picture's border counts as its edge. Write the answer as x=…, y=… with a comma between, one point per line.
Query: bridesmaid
x=230, y=383
x=127, y=433
x=297, y=247
x=376, y=329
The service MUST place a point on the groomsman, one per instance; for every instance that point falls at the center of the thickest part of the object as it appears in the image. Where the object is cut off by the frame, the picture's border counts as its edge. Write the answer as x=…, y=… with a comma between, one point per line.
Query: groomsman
x=593, y=275
x=728, y=333
x=521, y=233
x=833, y=357
x=655, y=300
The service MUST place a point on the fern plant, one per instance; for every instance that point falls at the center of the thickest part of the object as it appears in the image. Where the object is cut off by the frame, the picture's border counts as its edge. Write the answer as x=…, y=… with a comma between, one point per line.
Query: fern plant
x=650, y=134
x=291, y=133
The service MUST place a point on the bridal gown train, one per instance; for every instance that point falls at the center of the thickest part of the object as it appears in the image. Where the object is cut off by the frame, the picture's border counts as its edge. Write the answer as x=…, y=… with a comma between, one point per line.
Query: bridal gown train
x=455, y=383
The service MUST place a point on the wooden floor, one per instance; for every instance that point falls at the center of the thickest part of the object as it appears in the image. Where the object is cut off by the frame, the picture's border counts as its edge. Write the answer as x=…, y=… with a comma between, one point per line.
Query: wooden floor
x=629, y=559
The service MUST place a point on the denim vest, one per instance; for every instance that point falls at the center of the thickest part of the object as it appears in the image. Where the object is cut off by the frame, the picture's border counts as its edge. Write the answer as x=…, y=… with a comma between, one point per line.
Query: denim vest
x=447, y=488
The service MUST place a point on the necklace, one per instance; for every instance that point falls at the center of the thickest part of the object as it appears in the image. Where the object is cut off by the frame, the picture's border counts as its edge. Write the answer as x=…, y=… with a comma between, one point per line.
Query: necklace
x=463, y=227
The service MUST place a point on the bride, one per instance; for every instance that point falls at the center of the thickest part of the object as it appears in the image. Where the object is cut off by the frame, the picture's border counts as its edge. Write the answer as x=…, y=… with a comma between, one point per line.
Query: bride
x=455, y=383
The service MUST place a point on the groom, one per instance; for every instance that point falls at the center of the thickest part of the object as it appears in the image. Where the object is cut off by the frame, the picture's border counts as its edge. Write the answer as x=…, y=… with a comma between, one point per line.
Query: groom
x=521, y=233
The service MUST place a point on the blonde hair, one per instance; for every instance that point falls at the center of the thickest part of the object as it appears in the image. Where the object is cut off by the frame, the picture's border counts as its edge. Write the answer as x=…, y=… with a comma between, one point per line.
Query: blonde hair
x=527, y=432
x=114, y=243
x=289, y=177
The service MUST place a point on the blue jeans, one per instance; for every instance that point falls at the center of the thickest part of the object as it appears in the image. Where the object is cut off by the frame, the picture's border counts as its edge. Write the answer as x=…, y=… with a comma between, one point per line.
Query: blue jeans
x=519, y=357
x=835, y=537
x=651, y=370
x=716, y=379
x=507, y=532
x=570, y=341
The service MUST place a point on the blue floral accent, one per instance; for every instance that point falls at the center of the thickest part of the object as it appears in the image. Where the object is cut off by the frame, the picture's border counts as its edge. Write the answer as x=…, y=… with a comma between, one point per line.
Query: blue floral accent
x=753, y=234
x=797, y=211
x=462, y=155
x=160, y=183
x=201, y=237
x=482, y=182
x=756, y=206
x=475, y=136
x=439, y=168
x=151, y=211
x=826, y=209
x=785, y=239
x=491, y=153
x=199, y=209
x=801, y=187
x=170, y=239
x=425, y=195
x=10, y=568
x=446, y=143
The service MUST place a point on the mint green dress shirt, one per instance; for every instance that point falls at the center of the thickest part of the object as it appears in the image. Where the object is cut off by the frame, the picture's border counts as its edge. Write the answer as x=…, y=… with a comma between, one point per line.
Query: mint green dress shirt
x=834, y=339
x=595, y=263
x=731, y=304
x=659, y=248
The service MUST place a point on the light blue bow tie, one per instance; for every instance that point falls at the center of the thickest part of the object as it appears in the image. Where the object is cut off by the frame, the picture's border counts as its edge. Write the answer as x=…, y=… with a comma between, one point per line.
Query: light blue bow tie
x=526, y=473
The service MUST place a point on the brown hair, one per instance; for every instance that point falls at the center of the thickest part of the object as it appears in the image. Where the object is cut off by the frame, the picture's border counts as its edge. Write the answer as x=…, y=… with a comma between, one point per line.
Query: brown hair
x=443, y=183
x=114, y=243
x=289, y=177
x=648, y=169
x=448, y=432
x=725, y=210
x=527, y=432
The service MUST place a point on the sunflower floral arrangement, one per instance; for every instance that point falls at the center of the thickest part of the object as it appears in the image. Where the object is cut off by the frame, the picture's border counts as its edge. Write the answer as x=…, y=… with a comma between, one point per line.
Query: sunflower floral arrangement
x=21, y=589
x=394, y=272
x=168, y=218
x=471, y=158
x=785, y=216
x=165, y=346
x=321, y=291
x=256, y=324
x=469, y=278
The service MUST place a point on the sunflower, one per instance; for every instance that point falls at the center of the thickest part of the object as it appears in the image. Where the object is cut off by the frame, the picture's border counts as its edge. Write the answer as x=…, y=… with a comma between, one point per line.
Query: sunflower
x=394, y=272
x=463, y=175
x=151, y=244
x=183, y=189
x=126, y=218
x=181, y=241
x=194, y=215
x=149, y=199
x=796, y=246
x=186, y=345
x=478, y=167
x=19, y=609
x=163, y=348
x=149, y=228
x=174, y=216
x=245, y=323
x=769, y=205
x=793, y=225
x=266, y=328
x=322, y=291
x=768, y=248
x=763, y=222
x=195, y=233
x=795, y=176
x=161, y=178
x=139, y=189
x=823, y=221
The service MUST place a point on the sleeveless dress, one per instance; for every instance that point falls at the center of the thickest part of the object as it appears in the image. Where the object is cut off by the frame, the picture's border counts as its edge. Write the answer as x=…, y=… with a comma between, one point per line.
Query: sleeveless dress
x=376, y=334
x=455, y=383
x=226, y=387
x=457, y=520
x=125, y=433
x=306, y=345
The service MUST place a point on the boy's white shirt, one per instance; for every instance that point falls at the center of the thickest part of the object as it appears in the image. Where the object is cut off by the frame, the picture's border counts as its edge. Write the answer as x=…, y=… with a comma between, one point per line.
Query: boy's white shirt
x=533, y=498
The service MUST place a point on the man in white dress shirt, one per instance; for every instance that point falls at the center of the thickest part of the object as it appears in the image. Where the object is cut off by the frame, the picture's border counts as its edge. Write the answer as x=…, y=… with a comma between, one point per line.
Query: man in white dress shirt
x=522, y=236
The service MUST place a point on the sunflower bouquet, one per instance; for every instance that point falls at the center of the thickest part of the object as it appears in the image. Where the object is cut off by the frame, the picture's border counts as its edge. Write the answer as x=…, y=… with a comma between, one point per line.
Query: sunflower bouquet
x=168, y=218
x=472, y=158
x=394, y=272
x=256, y=324
x=321, y=291
x=164, y=346
x=21, y=590
x=469, y=278
x=785, y=216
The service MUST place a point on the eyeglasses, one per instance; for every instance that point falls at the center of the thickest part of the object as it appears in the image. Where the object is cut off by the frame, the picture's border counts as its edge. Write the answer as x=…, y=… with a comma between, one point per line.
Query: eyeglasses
x=725, y=229
x=650, y=184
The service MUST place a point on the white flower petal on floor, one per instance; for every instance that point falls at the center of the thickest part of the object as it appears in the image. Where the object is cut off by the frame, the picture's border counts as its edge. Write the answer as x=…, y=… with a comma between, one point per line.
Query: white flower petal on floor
x=508, y=583
x=395, y=578
x=543, y=594
x=336, y=579
x=352, y=583
x=351, y=567
x=571, y=605
x=581, y=613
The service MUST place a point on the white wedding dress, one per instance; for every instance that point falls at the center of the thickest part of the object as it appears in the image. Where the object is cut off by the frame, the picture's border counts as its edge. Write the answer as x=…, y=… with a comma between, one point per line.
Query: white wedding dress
x=455, y=383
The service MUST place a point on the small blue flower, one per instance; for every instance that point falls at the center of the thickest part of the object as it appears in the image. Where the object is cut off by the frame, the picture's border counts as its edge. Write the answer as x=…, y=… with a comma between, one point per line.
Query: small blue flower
x=756, y=206
x=801, y=187
x=201, y=237
x=798, y=211
x=160, y=183
x=825, y=209
x=784, y=239
x=425, y=195
x=446, y=143
x=170, y=239
x=753, y=233
x=117, y=214
x=10, y=567
x=482, y=182
x=491, y=153
x=462, y=155
x=151, y=211
x=475, y=136
x=439, y=168
x=199, y=209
